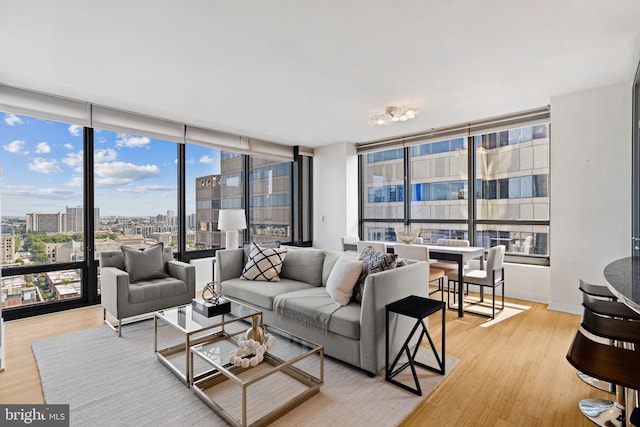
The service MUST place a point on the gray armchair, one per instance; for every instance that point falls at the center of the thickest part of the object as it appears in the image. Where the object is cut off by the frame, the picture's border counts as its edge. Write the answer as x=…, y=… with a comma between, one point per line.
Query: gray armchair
x=141, y=289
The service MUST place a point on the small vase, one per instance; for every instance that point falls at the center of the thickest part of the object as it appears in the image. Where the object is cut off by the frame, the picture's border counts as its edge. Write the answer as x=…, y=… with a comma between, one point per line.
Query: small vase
x=255, y=331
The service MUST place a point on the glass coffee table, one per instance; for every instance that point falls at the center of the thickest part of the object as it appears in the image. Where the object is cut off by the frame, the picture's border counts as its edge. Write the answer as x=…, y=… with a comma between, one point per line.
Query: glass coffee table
x=176, y=329
x=292, y=371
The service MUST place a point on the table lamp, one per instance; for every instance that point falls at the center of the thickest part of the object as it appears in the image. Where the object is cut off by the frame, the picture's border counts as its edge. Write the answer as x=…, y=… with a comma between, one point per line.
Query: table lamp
x=230, y=221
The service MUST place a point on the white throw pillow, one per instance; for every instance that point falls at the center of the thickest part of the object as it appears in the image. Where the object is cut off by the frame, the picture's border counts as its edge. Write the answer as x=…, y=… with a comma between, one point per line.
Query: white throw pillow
x=264, y=264
x=343, y=278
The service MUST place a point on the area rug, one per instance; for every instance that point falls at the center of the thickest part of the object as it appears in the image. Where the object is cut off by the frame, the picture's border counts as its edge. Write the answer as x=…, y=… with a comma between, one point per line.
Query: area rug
x=111, y=381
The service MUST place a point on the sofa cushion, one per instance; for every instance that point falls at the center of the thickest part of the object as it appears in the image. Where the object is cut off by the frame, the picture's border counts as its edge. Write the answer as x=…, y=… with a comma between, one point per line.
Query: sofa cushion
x=373, y=263
x=259, y=293
x=330, y=258
x=304, y=264
x=264, y=264
x=144, y=265
x=342, y=279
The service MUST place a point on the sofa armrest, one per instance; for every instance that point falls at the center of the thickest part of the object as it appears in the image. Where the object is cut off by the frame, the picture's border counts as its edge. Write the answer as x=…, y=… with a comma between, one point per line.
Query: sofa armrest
x=381, y=289
x=114, y=289
x=185, y=272
x=229, y=263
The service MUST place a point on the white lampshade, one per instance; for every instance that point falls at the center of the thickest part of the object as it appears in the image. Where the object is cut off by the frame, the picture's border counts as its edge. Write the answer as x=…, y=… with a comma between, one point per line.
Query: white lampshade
x=232, y=219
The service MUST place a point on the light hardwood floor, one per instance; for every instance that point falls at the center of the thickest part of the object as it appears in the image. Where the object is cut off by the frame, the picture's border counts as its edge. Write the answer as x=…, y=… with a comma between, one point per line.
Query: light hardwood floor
x=513, y=373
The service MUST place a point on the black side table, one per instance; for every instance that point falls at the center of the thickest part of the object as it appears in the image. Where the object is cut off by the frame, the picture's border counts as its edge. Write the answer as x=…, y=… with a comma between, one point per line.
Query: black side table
x=418, y=308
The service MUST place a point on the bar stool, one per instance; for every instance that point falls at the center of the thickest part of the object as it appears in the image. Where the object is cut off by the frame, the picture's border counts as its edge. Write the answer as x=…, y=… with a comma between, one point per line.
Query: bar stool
x=608, y=363
x=614, y=309
x=600, y=291
x=621, y=333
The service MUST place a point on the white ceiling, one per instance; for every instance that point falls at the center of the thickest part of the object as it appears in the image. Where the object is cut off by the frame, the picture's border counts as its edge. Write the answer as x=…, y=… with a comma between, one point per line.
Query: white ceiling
x=313, y=72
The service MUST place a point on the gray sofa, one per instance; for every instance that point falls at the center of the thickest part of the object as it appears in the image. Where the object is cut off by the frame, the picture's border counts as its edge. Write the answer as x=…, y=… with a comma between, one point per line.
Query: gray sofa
x=123, y=297
x=355, y=333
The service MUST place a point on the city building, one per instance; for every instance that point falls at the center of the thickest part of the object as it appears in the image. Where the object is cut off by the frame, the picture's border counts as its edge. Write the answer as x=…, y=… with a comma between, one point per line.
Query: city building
x=47, y=222
x=7, y=248
x=208, y=201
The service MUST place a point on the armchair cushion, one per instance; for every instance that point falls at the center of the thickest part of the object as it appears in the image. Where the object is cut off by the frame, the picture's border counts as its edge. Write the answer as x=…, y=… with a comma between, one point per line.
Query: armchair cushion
x=144, y=265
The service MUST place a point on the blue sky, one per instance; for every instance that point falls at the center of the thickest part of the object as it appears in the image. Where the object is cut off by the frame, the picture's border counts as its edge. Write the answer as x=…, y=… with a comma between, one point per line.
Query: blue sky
x=42, y=169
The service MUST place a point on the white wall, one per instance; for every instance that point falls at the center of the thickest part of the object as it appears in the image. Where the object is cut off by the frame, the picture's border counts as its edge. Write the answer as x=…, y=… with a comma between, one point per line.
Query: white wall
x=590, y=188
x=335, y=195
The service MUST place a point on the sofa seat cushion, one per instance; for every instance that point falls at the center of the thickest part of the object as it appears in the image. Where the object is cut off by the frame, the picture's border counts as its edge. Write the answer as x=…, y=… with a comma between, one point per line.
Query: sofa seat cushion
x=300, y=306
x=260, y=294
x=156, y=289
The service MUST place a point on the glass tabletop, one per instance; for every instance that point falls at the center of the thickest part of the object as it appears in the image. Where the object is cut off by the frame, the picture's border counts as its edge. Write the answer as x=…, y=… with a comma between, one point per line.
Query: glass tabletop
x=285, y=349
x=189, y=321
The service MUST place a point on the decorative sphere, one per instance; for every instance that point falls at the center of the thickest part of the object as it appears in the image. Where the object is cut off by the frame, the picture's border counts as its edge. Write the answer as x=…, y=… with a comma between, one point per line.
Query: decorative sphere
x=254, y=361
x=245, y=363
x=237, y=362
x=260, y=357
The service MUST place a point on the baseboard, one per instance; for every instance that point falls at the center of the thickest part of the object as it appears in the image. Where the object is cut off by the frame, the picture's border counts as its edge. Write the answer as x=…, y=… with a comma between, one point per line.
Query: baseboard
x=566, y=308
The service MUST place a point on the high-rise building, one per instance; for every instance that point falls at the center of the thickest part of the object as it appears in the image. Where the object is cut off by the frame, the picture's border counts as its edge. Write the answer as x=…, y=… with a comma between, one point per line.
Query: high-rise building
x=207, y=210
x=47, y=222
x=75, y=219
x=7, y=248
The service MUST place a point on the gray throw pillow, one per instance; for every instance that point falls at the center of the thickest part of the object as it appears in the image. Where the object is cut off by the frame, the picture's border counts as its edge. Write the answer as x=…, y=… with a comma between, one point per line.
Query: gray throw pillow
x=304, y=265
x=147, y=264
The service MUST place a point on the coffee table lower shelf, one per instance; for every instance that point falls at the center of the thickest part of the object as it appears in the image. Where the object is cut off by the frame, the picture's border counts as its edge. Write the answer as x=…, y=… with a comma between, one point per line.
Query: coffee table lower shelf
x=256, y=396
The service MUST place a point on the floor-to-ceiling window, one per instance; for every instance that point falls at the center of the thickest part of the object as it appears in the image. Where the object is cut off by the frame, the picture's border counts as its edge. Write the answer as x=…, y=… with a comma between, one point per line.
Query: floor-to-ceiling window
x=438, y=178
x=382, y=193
x=502, y=199
x=42, y=211
x=270, y=200
x=70, y=191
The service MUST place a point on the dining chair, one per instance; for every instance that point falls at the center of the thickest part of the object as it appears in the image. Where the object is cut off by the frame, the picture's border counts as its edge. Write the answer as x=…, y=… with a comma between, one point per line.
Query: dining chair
x=376, y=245
x=421, y=253
x=491, y=277
x=449, y=266
x=349, y=240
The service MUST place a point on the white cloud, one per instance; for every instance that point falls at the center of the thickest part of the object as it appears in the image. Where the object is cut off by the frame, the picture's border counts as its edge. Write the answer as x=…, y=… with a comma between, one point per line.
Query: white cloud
x=107, y=155
x=12, y=120
x=73, y=160
x=124, y=140
x=39, y=193
x=68, y=146
x=44, y=166
x=43, y=148
x=206, y=159
x=146, y=188
x=121, y=173
x=14, y=146
x=76, y=181
x=75, y=130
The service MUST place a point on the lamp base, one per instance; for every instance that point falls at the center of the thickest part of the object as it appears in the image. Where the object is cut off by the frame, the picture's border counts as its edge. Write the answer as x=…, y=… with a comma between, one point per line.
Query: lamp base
x=231, y=239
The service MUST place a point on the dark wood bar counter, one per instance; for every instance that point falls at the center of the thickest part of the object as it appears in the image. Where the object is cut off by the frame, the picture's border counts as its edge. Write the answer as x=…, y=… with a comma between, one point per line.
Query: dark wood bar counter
x=623, y=278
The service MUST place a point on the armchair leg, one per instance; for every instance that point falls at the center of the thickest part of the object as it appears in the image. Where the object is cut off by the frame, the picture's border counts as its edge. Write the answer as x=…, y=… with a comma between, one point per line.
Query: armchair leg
x=117, y=328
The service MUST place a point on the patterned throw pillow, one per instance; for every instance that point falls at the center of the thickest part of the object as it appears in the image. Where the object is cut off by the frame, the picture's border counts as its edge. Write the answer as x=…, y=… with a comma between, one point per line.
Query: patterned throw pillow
x=247, y=247
x=373, y=262
x=264, y=264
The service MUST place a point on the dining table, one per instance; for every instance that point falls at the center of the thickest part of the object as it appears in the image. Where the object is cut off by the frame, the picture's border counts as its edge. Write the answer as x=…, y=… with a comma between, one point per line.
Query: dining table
x=623, y=279
x=459, y=254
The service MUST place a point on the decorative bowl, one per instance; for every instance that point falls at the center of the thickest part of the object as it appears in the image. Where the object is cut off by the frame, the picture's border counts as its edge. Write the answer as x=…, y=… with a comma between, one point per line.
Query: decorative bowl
x=407, y=233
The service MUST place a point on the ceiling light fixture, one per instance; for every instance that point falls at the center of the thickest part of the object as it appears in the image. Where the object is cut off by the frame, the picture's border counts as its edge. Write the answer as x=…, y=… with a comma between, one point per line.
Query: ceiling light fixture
x=394, y=114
